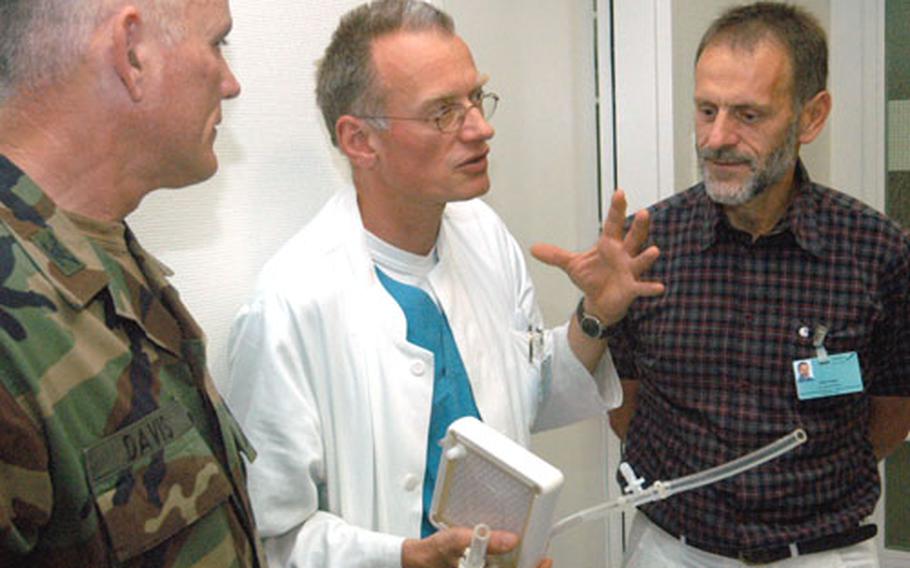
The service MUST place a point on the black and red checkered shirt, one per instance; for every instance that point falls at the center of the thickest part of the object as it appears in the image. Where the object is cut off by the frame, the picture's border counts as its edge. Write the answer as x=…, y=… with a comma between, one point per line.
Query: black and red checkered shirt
x=714, y=357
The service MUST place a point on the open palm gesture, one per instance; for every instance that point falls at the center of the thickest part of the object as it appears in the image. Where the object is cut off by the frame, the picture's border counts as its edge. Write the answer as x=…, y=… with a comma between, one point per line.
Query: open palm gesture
x=609, y=273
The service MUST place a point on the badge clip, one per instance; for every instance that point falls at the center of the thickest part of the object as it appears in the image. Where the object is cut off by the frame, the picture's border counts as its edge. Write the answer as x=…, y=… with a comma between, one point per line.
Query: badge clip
x=535, y=342
x=818, y=341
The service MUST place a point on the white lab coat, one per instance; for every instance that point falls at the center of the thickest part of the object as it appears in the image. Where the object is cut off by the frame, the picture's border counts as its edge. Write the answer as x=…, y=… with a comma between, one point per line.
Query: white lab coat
x=337, y=402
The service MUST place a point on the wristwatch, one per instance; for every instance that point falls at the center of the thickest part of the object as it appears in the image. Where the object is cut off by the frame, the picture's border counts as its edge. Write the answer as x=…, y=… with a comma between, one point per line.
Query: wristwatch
x=589, y=324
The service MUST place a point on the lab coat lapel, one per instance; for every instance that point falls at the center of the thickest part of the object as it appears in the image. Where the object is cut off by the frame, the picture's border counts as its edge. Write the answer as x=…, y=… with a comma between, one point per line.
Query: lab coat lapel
x=400, y=400
x=469, y=301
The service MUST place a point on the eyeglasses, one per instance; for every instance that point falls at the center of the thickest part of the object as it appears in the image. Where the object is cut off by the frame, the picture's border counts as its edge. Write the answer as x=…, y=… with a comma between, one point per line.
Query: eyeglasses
x=451, y=117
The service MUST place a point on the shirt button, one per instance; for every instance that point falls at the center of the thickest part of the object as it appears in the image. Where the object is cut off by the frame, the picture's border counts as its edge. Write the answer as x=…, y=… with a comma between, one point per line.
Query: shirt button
x=411, y=482
x=418, y=368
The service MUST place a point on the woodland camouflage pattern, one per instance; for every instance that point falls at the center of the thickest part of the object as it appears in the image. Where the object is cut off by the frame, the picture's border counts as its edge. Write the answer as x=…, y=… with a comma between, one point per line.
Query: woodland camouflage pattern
x=115, y=449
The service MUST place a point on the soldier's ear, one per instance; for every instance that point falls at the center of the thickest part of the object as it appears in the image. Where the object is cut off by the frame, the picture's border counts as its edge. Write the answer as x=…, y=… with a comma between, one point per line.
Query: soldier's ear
x=356, y=140
x=129, y=50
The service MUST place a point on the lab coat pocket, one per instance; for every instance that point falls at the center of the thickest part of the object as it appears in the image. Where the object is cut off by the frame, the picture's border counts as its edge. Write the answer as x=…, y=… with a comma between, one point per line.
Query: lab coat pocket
x=528, y=338
x=527, y=357
x=153, y=479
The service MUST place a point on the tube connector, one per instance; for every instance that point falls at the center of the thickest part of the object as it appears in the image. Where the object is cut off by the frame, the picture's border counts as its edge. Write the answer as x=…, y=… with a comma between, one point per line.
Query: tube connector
x=658, y=490
x=475, y=556
x=633, y=482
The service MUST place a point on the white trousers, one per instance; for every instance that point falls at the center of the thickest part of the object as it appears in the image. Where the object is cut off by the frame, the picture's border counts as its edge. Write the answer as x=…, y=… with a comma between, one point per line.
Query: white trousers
x=651, y=547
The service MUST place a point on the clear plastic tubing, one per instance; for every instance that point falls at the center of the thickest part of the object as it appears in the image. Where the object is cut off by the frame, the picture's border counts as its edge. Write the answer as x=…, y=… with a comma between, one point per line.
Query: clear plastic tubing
x=477, y=553
x=663, y=489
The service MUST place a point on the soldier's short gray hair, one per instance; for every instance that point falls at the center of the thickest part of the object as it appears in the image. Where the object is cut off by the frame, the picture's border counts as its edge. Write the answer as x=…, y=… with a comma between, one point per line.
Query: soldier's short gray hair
x=346, y=77
x=41, y=40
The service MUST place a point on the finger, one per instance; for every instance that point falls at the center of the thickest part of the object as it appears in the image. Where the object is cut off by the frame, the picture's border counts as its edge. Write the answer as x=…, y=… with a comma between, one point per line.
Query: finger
x=649, y=289
x=454, y=540
x=546, y=563
x=644, y=261
x=638, y=232
x=616, y=216
x=551, y=255
x=501, y=542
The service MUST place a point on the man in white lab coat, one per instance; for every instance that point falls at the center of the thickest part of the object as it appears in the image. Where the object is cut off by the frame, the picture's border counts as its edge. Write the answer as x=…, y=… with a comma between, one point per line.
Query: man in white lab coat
x=405, y=304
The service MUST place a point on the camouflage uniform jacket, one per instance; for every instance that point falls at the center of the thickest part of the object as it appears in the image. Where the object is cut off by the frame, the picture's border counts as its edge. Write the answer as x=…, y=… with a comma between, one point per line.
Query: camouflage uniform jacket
x=115, y=448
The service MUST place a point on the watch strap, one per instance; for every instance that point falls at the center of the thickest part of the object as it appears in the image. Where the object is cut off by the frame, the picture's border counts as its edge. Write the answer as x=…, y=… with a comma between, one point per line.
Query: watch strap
x=590, y=325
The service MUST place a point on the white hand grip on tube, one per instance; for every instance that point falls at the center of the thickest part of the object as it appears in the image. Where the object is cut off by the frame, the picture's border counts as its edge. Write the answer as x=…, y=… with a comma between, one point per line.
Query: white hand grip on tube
x=663, y=489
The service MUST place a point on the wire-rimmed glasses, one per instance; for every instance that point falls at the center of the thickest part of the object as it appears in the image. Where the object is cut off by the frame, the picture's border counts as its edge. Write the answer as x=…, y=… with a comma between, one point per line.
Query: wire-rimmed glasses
x=451, y=117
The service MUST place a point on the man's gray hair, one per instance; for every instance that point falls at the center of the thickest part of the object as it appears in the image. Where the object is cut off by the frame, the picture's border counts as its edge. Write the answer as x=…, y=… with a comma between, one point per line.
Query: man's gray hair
x=346, y=77
x=42, y=40
x=795, y=29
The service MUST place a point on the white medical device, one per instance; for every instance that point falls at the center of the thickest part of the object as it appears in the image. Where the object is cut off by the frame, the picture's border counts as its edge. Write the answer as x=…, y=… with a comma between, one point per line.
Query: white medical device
x=487, y=479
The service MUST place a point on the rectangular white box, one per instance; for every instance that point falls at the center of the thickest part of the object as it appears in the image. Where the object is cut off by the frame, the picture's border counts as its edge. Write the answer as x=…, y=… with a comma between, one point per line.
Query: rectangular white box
x=484, y=477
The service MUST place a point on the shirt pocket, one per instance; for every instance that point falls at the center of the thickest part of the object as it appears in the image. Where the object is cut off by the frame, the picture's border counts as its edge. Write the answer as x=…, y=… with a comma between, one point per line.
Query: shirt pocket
x=153, y=479
x=846, y=336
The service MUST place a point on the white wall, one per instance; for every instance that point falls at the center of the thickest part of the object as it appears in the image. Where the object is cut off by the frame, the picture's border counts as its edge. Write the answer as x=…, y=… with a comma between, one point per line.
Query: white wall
x=543, y=165
x=277, y=167
x=540, y=56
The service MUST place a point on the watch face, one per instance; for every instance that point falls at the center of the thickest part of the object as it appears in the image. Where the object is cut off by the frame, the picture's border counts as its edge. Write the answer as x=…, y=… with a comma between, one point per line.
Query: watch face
x=590, y=327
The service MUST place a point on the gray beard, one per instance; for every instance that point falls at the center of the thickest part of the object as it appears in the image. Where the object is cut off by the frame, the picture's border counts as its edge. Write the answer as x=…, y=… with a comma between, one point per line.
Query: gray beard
x=763, y=175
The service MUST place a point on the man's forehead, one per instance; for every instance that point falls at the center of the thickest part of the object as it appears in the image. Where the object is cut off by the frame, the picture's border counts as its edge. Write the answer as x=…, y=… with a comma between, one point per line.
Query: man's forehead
x=761, y=70
x=763, y=47
x=210, y=14
x=429, y=64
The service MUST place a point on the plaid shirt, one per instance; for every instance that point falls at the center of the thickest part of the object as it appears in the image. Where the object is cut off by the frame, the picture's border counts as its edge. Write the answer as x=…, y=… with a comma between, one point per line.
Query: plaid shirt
x=714, y=359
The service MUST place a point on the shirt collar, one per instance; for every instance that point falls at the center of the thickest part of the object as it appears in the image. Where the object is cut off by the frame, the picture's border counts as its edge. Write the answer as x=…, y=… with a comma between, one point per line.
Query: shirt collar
x=800, y=219
x=77, y=271
x=56, y=247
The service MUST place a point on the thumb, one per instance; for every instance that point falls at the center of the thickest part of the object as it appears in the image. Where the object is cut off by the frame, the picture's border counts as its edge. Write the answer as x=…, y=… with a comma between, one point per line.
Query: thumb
x=551, y=255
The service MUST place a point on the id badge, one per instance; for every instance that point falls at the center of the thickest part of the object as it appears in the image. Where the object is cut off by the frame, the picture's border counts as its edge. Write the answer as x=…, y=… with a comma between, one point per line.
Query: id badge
x=839, y=375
